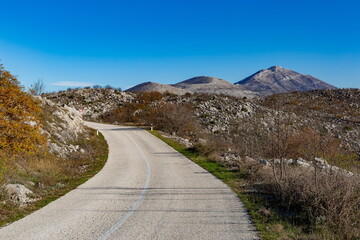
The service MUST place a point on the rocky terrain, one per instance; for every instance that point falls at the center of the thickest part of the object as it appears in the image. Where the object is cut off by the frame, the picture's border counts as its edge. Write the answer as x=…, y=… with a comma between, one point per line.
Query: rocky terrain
x=269, y=81
x=66, y=135
x=336, y=110
x=299, y=152
x=92, y=103
x=277, y=79
x=62, y=126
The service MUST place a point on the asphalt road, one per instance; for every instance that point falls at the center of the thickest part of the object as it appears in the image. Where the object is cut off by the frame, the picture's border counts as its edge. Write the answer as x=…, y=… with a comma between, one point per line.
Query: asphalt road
x=146, y=190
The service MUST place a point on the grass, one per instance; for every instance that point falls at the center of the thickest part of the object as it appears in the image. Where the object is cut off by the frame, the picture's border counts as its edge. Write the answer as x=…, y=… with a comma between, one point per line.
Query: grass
x=270, y=225
x=10, y=212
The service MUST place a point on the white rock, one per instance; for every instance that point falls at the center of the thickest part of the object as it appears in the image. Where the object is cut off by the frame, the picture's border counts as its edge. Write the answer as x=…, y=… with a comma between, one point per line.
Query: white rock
x=19, y=193
x=302, y=163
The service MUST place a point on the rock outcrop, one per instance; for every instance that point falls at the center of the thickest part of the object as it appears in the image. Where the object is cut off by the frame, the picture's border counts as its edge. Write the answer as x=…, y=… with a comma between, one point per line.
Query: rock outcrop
x=62, y=126
x=92, y=103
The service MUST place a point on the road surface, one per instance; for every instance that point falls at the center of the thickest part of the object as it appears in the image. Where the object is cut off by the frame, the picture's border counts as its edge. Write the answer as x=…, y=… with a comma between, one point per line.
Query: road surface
x=146, y=190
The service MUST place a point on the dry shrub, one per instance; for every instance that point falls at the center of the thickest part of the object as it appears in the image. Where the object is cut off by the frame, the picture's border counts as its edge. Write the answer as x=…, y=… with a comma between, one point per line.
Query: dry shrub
x=123, y=114
x=327, y=201
x=307, y=143
x=211, y=145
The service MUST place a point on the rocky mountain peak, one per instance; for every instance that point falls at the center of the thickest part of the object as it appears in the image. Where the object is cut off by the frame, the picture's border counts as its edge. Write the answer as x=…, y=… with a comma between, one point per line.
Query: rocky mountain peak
x=156, y=87
x=202, y=80
x=277, y=79
x=276, y=68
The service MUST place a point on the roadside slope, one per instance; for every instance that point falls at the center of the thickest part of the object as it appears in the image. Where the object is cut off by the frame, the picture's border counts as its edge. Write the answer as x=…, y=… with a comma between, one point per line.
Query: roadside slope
x=146, y=190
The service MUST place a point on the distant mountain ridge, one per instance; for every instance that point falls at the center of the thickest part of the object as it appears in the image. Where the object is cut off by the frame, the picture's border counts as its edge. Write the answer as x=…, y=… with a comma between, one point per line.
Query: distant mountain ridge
x=202, y=80
x=156, y=87
x=265, y=82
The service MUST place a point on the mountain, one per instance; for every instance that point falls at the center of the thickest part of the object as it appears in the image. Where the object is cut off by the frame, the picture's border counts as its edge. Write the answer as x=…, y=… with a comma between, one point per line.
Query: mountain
x=203, y=83
x=212, y=85
x=277, y=79
x=266, y=82
x=156, y=87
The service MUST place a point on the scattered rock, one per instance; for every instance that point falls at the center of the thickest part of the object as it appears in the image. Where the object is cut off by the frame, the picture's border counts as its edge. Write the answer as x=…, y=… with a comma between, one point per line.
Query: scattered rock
x=20, y=194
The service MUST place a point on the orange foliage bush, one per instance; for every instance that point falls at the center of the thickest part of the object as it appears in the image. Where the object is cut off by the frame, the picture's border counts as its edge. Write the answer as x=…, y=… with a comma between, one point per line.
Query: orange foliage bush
x=19, y=120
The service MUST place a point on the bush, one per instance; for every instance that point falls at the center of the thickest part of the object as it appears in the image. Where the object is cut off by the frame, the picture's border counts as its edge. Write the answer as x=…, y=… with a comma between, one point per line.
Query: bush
x=19, y=121
x=324, y=201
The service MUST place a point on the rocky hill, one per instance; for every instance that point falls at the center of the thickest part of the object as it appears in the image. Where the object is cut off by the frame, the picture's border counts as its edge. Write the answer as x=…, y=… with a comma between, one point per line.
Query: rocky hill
x=201, y=84
x=92, y=103
x=67, y=144
x=277, y=79
x=269, y=81
x=336, y=110
x=156, y=87
x=211, y=85
x=312, y=138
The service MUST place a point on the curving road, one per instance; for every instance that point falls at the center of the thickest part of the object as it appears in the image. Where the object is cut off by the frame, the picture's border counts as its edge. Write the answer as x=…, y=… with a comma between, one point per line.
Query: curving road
x=146, y=190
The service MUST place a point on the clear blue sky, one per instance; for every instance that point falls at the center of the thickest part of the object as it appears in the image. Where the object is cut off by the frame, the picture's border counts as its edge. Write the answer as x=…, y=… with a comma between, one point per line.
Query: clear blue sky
x=126, y=42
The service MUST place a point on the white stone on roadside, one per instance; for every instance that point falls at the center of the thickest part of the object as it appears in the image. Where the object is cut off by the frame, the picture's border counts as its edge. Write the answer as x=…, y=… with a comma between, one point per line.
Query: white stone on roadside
x=19, y=194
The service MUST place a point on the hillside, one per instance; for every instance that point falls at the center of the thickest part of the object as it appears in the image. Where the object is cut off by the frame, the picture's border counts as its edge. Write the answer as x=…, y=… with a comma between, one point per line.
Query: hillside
x=277, y=79
x=93, y=103
x=335, y=109
x=45, y=150
x=156, y=87
x=50, y=171
x=211, y=85
x=297, y=154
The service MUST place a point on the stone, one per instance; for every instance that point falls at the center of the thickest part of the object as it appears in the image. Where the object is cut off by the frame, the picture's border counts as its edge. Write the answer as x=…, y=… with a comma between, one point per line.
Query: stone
x=19, y=194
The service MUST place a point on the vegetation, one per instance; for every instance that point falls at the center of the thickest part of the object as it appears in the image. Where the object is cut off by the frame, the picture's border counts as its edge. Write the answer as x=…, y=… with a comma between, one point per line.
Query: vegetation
x=285, y=201
x=309, y=206
x=19, y=122
x=37, y=88
x=52, y=178
x=25, y=157
x=260, y=141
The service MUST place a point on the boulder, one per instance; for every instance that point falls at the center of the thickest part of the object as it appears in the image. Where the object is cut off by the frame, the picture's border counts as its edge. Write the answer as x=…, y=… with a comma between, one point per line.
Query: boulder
x=19, y=194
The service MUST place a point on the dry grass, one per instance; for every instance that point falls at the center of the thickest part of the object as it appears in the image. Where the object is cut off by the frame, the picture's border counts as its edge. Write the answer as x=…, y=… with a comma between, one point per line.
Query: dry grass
x=324, y=202
x=50, y=177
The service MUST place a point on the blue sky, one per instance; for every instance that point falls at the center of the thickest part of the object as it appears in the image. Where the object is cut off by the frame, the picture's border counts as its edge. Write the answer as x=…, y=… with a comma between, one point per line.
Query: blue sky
x=125, y=42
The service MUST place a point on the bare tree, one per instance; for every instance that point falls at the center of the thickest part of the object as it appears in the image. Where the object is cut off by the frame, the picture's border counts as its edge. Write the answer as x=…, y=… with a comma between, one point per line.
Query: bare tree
x=37, y=88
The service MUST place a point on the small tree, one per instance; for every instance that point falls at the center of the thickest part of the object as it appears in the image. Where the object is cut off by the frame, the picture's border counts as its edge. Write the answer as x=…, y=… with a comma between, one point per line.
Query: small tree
x=37, y=88
x=175, y=118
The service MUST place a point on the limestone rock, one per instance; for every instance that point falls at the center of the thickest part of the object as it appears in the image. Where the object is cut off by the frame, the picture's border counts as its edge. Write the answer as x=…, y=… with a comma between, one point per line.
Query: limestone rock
x=19, y=194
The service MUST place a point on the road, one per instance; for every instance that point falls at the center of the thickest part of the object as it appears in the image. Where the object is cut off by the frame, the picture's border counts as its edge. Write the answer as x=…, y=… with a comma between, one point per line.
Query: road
x=146, y=190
